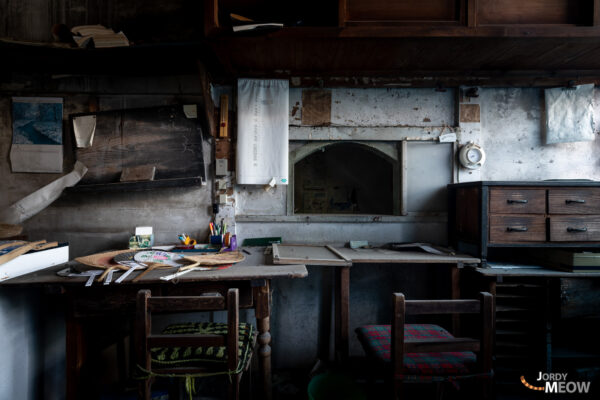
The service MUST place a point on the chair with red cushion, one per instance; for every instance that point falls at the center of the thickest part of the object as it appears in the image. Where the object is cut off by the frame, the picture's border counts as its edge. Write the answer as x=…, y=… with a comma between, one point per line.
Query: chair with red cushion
x=429, y=353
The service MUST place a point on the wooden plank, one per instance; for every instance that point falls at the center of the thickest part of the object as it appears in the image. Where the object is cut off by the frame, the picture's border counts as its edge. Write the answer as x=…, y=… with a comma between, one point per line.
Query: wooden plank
x=307, y=254
x=402, y=10
x=403, y=178
x=540, y=272
x=185, y=340
x=185, y=303
x=442, y=306
x=498, y=12
x=440, y=345
x=469, y=113
x=316, y=107
x=224, y=114
x=403, y=257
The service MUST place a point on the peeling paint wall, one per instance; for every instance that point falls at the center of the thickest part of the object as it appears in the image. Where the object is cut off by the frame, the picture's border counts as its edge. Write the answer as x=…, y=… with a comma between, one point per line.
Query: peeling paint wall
x=513, y=122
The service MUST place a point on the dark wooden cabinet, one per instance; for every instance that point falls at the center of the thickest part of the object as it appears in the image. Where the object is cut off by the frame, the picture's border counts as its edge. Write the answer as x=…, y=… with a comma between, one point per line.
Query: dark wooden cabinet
x=483, y=215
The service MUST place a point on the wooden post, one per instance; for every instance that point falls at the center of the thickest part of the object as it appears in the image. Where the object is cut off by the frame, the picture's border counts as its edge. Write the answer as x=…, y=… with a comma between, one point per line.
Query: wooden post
x=342, y=310
x=472, y=13
x=456, y=295
x=342, y=13
x=142, y=330
x=397, y=343
x=262, y=297
x=487, y=338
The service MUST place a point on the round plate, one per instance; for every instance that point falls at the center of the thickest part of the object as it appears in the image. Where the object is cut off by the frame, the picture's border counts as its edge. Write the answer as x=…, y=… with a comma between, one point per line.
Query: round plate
x=157, y=256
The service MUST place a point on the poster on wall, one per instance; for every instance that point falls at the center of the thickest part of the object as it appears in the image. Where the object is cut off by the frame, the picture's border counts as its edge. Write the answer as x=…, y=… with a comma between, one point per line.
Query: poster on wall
x=263, y=131
x=37, y=134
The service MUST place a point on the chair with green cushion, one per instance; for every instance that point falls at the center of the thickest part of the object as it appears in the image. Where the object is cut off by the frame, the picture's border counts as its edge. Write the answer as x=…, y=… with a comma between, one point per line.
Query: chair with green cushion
x=192, y=349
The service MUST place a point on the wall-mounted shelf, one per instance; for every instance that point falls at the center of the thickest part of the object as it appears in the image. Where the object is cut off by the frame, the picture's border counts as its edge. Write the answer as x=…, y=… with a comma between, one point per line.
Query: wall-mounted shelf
x=136, y=186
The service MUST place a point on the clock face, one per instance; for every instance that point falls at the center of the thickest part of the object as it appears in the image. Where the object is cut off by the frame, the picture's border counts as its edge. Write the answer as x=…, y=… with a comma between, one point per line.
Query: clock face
x=474, y=156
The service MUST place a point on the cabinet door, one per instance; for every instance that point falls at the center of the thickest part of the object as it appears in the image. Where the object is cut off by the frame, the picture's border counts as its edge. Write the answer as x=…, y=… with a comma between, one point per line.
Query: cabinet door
x=517, y=201
x=574, y=201
x=517, y=228
x=566, y=228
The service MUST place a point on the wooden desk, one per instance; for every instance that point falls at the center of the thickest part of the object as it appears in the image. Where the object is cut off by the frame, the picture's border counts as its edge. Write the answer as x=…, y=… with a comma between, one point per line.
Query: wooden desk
x=252, y=277
x=319, y=255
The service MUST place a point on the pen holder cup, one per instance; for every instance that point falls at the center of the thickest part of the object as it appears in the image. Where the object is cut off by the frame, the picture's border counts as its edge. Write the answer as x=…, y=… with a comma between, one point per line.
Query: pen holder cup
x=216, y=239
x=233, y=242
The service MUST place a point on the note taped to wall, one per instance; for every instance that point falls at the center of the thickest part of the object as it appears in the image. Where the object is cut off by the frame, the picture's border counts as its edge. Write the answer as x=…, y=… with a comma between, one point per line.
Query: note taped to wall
x=37, y=134
x=263, y=131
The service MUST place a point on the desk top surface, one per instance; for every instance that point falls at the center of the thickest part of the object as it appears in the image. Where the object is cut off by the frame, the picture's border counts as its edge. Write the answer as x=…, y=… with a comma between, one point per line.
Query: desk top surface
x=255, y=266
x=383, y=256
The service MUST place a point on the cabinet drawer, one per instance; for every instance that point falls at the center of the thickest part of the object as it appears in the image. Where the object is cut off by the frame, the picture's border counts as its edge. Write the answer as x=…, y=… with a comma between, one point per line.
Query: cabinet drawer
x=525, y=228
x=574, y=201
x=575, y=229
x=517, y=201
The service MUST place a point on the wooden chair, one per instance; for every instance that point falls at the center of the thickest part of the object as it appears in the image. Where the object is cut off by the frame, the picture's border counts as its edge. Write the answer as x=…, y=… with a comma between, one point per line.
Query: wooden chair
x=190, y=350
x=427, y=352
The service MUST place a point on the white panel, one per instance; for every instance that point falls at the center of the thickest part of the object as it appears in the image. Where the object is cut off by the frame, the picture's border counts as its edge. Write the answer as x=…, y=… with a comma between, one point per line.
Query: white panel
x=429, y=171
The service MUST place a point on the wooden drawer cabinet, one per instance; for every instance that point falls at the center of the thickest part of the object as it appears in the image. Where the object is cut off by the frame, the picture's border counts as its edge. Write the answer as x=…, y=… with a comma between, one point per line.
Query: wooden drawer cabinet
x=566, y=228
x=517, y=201
x=574, y=201
x=522, y=228
x=483, y=215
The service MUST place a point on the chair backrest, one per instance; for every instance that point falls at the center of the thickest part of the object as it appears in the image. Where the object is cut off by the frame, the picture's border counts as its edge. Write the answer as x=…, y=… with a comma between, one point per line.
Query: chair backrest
x=147, y=305
x=402, y=307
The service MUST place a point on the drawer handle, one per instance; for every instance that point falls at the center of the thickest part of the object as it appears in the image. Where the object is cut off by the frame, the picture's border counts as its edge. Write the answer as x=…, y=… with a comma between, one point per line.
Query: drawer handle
x=578, y=201
x=516, y=229
x=517, y=201
x=576, y=230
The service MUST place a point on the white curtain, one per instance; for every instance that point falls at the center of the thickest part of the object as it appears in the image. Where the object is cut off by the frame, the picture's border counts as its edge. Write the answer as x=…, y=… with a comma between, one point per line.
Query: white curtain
x=262, y=131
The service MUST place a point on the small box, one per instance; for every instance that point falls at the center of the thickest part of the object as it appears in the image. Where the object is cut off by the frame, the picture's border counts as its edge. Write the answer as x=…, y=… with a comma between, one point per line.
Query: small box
x=221, y=167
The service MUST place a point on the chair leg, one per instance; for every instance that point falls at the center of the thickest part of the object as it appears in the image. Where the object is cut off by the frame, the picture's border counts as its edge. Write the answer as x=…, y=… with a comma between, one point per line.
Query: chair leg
x=234, y=387
x=439, y=390
x=144, y=389
x=398, y=389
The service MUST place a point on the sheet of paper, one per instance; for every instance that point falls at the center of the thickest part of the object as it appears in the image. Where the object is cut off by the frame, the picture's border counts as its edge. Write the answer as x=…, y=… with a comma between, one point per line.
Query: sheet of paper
x=32, y=204
x=569, y=114
x=37, y=134
x=84, y=128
